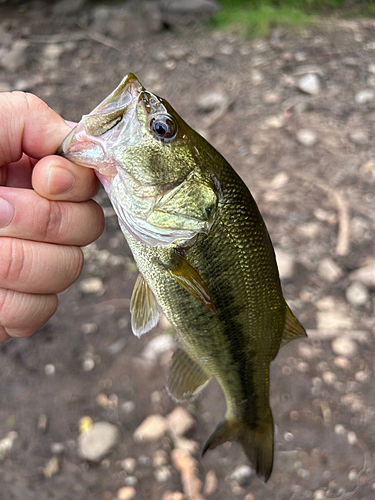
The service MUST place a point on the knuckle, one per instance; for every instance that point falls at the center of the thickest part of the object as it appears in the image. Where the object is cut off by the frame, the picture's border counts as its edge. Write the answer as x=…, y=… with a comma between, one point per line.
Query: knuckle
x=50, y=224
x=14, y=264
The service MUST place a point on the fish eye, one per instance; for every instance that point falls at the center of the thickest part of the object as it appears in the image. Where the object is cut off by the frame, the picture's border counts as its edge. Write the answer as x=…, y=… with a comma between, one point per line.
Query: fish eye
x=163, y=127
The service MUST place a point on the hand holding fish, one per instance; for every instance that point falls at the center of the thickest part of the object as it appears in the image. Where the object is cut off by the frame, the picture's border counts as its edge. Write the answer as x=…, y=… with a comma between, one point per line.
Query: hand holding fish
x=46, y=214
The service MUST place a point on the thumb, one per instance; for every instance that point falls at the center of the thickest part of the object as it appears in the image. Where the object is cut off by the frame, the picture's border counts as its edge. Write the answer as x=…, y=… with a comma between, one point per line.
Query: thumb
x=28, y=125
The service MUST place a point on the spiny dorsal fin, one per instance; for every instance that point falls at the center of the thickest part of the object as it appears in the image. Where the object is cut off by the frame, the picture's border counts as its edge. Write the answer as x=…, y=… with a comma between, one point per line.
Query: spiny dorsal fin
x=144, y=308
x=292, y=328
x=185, y=377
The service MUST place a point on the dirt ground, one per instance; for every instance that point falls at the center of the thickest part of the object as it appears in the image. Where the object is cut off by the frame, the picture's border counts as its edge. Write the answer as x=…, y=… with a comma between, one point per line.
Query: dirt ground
x=309, y=160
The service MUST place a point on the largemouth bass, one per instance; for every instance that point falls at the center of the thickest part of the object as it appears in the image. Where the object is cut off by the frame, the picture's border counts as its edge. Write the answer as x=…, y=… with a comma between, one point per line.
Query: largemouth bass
x=204, y=255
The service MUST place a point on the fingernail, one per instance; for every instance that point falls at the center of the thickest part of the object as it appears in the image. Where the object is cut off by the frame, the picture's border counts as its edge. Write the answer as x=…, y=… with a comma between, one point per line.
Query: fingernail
x=6, y=212
x=60, y=181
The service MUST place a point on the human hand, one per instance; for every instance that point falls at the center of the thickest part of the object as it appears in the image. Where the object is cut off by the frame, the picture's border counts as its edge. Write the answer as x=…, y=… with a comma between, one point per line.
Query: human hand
x=46, y=214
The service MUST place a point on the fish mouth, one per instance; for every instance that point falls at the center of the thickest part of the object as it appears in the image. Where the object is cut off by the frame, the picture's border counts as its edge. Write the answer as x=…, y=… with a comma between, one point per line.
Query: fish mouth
x=90, y=141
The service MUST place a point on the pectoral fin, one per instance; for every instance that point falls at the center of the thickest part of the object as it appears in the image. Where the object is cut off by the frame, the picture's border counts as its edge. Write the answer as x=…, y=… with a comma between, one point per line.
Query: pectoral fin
x=144, y=308
x=292, y=329
x=185, y=377
x=189, y=279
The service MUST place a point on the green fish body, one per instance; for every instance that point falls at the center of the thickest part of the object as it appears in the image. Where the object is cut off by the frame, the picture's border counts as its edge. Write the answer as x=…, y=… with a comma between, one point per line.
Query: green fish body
x=204, y=255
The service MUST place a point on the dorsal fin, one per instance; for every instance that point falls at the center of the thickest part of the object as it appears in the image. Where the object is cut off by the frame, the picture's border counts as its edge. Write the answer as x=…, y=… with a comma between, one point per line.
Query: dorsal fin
x=185, y=377
x=144, y=308
x=292, y=328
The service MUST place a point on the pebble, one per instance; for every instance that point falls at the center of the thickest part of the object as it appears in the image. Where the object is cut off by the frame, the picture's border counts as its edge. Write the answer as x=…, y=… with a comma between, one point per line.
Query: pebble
x=210, y=483
x=151, y=429
x=274, y=122
x=162, y=475
x=271, y=98
x=159, y=459
x=91, y=285
x=88, y=328
x=288, y=437
x=307, y=137
x=180, y=421
x=173, y=495
x=50, y=369
x=365, y=275
x=329, y=270
x=364, y=96
x=319, y=495
x=126, y=493
x=340, y=430
x=306, y=351
x=6, y=444
x=357, y=294
x=130, y=481
x=212, y=101
x=242, y=475
x=128, y=406
x=98, y=441
x=51, y=468
x=342, y=362
x=310, y=84
x=129, y=464
x=158, y=346
x=256, y=77
x=361, y=376
x=285, y=263
x=343, y=346
x=15, y=57
x=352, y=437
x=67, y=7
x=359, y=137
x=333, y=320
x=329, y=377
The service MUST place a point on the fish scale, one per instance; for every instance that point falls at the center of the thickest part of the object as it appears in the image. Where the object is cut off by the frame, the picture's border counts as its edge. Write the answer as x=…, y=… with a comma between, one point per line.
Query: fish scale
x=204, y=255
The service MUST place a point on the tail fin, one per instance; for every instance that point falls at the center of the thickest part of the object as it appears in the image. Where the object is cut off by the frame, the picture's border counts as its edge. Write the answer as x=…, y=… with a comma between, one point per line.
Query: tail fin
x=256, y=440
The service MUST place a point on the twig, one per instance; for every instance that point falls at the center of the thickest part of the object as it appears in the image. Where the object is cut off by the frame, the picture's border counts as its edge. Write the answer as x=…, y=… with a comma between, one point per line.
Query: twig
x=74, y=37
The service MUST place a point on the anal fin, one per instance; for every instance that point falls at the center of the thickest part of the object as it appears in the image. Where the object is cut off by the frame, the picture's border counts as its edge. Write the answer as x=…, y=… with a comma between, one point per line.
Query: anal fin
x=292, y=328
x=144, y=307
x=185, y=377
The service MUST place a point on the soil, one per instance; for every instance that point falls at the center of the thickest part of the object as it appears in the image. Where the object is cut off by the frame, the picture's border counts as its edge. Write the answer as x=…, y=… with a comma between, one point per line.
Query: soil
x=323, y=402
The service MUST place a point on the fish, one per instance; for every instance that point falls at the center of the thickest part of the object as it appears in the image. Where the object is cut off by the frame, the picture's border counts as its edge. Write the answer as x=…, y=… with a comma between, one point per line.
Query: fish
x=204, y=255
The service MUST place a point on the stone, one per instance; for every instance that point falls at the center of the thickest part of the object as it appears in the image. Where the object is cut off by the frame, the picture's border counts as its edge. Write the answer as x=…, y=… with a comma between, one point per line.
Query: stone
x=210, y=102
x=6, y=444
x=274, y=121
x=242, y=475
x=157, y=347
x=359, y=137
x=180, y=421
x=329, y=270
x=333, y=320
x=173, y=495
x=126, y=493
x=98, y=441
x=364, y=96
x=329, y=377
x=357, y=294
x=271, y=98
x=151, y=429
x=160, y=459
x=344, y=346
x=365, y=275
x=210, y=483
x=310, y=84
x=285, y=263
x=129, y=464
x=163, y=474
x=51, y=468
x=67, y=7
x=307, y=137
x=91, y=285
x=256, y=77
x=368, y=167
x=14, y=58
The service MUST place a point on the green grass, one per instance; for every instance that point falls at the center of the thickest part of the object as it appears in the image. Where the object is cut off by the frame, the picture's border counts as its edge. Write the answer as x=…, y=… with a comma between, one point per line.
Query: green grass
x=254, y=18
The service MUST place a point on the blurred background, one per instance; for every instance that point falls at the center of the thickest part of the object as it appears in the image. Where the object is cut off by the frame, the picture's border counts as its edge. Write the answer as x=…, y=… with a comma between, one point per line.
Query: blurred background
x=285, y=90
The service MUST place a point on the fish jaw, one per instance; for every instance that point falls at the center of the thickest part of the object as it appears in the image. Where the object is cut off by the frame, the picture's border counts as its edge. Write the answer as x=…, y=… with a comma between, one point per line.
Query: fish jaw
x=112, y=122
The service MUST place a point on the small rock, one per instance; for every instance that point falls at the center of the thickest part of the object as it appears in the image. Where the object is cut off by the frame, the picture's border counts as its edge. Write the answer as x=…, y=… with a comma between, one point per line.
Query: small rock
x=126, y=493
x=57, y=449
x=329, y=270
x=242, y=475
x=210, y=483
x=271, y=98
x=159, y=459
x=49, y=369
x=340, y=430
x=310, y=84
x=162, y=475
x=256, y=77
x=274, y=122
x=6, y=444
x=306, y=351
x=91, y=285
x=212, y=101
x=329, y=377
x=307, y=137
x=151, y=429
x=352, y=437
x=280, y=180
x=357, y=294
x=128, y=406
x=365, y=275
x=333, y=320
x=15, y=57
x=130, y=481
x=67, y=7
x=158, y=346
x=342, y=362
x=359, y=137
x=52, y=467
x=319, y=495
x=129, y=464
x=188, y=445
x=98, y=441
x=88, y=328
x=364, y=96
x=343, y=346
x=180, y=421
x=285, y=263
x=361, y=376
x=173, y=495
x=42, y=422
